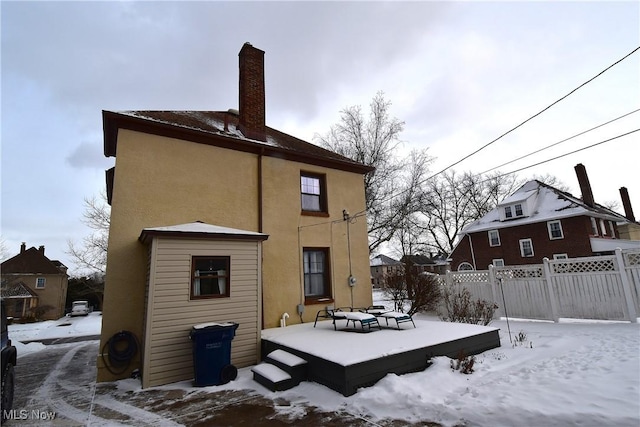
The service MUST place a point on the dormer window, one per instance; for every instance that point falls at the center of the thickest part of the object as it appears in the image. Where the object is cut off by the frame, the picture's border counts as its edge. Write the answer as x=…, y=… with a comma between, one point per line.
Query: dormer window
x=518, y=208
x=513, y=211
x=507, y=212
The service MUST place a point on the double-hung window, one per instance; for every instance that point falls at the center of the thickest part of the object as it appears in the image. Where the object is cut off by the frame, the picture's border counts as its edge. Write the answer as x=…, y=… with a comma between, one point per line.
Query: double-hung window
x=494, y=238
x=526, y=248
x=507, y=212
x=317, y=285
x=210, y=277
x=555, y=230
x=313, y=193
x=40, y=282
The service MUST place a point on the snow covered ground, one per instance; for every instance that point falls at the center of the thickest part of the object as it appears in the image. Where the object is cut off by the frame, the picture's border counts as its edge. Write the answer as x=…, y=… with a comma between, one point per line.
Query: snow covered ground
x=569, y=373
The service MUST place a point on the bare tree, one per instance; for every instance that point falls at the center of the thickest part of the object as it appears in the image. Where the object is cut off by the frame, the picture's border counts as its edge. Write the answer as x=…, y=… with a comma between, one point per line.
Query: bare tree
x=391, y=190
x=91, y=255
x=452, y=201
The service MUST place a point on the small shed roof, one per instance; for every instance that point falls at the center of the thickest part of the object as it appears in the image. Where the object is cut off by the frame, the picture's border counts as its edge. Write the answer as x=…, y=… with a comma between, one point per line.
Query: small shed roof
x=200, y=230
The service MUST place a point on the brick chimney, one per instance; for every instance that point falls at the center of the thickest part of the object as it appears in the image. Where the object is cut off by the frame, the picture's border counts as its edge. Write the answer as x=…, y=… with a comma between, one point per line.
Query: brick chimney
x=252, y=96
x=23, y=247
x=41, y=249
x=626, y=203
x=585, y=187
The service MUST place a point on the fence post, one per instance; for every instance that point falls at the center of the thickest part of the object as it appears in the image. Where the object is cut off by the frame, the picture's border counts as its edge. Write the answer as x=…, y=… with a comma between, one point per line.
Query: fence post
x=492, y=281
x=626, y=287
x=546, y=274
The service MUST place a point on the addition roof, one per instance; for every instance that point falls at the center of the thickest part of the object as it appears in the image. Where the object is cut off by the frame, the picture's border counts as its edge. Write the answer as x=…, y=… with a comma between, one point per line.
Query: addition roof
x=200, y=230
x=220, y=128
x=551, y=204
x=17, y=290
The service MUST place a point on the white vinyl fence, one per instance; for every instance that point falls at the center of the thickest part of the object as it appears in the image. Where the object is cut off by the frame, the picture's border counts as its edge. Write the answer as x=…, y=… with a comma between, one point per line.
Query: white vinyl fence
x=602, y=287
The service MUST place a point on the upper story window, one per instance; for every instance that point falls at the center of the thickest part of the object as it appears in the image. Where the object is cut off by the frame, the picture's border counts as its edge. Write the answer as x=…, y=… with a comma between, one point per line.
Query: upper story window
x=526, y=248
x=494, y=238
x=612, y=229
x=514, y=211
x=313, y=193
x=555, y=230
x=594, y=226
x=40, y=282
x=210, y=277
x=518, y=209
x=507, y=212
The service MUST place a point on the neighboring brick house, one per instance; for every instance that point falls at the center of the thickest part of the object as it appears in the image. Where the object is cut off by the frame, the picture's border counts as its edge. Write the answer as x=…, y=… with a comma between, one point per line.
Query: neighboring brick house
x=539, y=221
x=32, y=282
x=216, y=217
x=380, y=266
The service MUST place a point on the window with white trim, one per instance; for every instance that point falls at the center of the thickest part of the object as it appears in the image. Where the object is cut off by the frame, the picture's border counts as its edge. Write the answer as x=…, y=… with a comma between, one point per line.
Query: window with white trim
x=555, y=230
x=594, y=226
x=507, y=212
x=526, y=248
x=465, y=266
x=612, y=229
x=560, y=256
x=498, y=262
x=40, y=282
x=494, y=238
x=603, y=228
x=518, y=209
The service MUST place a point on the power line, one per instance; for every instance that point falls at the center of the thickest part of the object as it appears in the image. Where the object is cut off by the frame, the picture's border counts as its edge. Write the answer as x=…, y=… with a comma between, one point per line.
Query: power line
x=537, y=114
x=562, y=155
x=560, y=142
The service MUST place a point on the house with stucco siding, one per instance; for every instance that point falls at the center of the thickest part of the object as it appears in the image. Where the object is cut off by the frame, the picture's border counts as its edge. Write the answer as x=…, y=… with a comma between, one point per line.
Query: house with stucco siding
x=216, y=217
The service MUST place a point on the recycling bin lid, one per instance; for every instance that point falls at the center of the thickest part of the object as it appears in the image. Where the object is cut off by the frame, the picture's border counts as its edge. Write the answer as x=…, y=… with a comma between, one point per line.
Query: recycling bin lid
x=214, y=325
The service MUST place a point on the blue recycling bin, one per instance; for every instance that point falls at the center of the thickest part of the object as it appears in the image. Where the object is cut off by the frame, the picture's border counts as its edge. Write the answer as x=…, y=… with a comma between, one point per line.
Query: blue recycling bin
x=212, y=353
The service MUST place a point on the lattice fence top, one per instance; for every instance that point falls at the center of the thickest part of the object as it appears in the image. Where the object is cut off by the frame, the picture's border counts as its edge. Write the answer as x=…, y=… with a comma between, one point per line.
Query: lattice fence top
x=587, y=266
x=632, y=258
x=523, y=272
x=470, y=276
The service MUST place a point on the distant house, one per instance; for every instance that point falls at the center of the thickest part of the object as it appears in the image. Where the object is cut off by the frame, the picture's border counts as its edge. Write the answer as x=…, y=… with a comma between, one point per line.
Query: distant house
x=216, y=217
x=380, y=266
x=436, y=264
x=539, y=221
x=33, y=285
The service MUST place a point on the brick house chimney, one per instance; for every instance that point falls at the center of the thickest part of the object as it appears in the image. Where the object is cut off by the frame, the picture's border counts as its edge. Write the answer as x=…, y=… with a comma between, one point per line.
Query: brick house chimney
x=41, y=249
x=252, y=96
x=23, y=247
x=626, y=203
x=585, y=187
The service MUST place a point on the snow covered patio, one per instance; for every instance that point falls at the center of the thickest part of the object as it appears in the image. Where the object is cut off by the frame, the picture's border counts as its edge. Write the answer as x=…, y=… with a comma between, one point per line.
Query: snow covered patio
x=345, y=360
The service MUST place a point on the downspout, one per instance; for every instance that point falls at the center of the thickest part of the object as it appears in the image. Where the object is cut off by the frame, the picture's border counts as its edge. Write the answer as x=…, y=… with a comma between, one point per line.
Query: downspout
x=473, y=255
x=260, y=155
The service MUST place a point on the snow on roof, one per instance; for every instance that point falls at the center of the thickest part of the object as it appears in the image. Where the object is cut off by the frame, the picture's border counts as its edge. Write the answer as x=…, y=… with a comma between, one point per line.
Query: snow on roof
x=200, y=229
x=551, y=204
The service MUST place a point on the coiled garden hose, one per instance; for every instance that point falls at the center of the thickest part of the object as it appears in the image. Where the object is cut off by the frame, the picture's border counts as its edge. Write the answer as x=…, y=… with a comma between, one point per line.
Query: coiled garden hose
x=122, y=348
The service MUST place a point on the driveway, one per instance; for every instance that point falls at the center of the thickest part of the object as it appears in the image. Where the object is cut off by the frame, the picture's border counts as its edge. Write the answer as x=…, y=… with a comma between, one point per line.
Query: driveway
x=56, y=387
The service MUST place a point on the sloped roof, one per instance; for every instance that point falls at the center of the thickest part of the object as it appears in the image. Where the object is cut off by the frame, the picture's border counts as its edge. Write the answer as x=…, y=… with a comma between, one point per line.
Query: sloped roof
x=31, y=261
x=201, y=230
x=551, y=204
x=380, y=260
x=220, y=128
x=17, y=290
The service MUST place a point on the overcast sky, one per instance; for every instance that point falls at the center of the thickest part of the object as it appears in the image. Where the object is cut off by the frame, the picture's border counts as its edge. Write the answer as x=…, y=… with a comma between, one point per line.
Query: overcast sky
x=459, y=74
